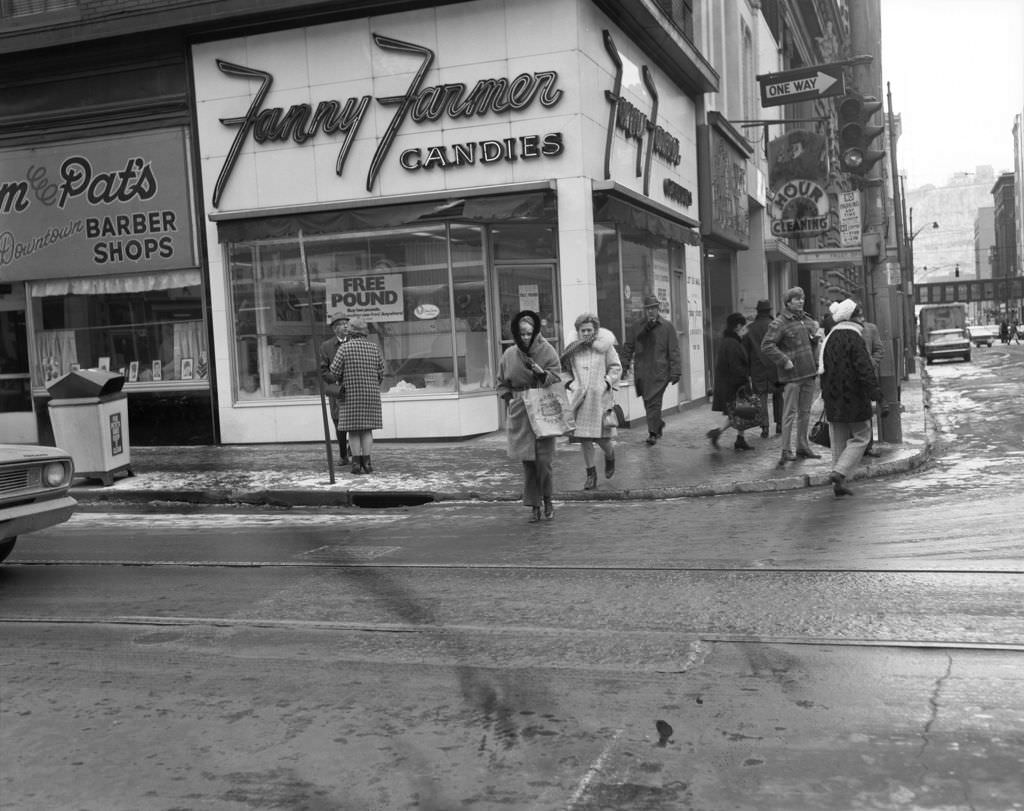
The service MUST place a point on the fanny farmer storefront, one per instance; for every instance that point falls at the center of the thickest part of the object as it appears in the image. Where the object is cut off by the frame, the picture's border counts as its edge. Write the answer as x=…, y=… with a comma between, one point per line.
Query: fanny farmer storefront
x=437, y=171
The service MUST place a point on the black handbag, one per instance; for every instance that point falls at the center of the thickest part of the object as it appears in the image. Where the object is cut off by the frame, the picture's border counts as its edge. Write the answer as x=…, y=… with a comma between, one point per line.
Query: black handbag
x=819, y=434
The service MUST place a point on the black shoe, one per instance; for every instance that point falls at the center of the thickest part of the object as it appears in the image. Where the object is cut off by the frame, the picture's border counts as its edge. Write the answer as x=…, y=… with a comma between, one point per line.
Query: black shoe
x=741, y=444
x=609, y=466
x=652, y=439
x=357, y=464
x=549, y=509
x=838, y=485
x=872, y=453
x=787, y=456
x=764, y=432
x=534, y=515
x=808, y=454
x=367, y=467
x=591, y=482
x=778, y=429
x=713, y=436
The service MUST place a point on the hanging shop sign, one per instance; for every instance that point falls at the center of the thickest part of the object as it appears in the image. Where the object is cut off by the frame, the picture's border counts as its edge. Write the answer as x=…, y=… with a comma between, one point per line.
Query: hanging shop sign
x=651, y=138
x=97, y=207
x=797, y=175
x=452, y=103
x=723, y=156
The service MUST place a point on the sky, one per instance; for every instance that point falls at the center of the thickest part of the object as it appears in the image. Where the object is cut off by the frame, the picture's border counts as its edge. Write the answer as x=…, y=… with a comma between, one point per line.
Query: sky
x=955, y=69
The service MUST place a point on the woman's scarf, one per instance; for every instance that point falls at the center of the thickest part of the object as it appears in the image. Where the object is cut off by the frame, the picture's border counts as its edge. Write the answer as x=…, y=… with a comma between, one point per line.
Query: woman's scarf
x=851, y=325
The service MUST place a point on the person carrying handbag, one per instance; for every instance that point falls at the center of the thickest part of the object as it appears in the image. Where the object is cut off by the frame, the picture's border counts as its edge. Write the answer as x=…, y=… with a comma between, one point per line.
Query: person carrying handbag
x=594, y=366
x=732, y=372
x=531, y=362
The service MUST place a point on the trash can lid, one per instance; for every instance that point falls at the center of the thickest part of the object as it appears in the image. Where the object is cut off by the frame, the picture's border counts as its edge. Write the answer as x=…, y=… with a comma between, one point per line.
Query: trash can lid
x=86, y=383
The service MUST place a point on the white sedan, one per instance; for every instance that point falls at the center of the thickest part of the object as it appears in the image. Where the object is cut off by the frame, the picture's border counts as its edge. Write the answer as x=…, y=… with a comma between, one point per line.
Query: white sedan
x=34, y=484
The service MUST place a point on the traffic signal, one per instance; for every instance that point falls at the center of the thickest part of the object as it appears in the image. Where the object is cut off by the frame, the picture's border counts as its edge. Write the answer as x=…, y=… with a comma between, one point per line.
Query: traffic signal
x=856, y=133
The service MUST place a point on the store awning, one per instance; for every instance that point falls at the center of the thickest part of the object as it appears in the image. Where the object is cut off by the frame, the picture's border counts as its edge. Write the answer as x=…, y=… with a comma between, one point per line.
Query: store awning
x=609, y=208
x=524, y=207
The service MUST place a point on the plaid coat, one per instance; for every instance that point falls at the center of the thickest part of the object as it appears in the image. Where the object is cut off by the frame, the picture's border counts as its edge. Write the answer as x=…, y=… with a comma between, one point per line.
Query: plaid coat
x=359, y=367
x=792, y=337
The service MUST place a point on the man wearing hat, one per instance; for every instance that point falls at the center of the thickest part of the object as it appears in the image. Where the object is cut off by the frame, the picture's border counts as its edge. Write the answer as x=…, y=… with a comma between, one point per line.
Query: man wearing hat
x=338, y=322
x=653, y=351
x=791, y=342
x=763, y=374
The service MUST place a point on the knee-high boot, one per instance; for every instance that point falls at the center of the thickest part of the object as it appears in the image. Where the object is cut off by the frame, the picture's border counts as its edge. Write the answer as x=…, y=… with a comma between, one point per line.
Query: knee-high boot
x=367, y=467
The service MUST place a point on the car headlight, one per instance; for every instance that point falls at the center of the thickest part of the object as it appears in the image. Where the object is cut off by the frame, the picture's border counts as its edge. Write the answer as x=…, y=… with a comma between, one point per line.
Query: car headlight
x=55, y=474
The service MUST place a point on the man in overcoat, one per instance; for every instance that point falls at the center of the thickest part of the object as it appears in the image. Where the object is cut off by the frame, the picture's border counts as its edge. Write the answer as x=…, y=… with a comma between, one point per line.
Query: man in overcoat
x=338, y=322
x=652, y=349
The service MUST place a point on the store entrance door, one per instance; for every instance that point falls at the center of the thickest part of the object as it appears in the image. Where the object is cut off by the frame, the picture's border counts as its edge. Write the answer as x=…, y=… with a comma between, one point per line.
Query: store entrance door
x=17, y=419
x=528, y=287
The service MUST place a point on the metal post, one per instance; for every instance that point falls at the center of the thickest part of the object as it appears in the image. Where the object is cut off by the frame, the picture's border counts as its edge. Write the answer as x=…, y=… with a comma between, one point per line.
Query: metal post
x=316, y=354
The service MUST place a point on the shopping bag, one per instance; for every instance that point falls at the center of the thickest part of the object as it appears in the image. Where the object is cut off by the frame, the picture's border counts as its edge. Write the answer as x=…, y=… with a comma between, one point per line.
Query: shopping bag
x=746, y=409
x=548, y=411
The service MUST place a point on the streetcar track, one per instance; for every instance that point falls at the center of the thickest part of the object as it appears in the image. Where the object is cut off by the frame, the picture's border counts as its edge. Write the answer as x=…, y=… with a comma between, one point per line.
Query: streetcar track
x=576, y=567
x=456, y=630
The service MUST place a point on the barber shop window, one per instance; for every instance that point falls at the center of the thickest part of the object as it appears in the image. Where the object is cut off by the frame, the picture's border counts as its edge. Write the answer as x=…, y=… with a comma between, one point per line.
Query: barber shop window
x=148, y=327
x=422, y=291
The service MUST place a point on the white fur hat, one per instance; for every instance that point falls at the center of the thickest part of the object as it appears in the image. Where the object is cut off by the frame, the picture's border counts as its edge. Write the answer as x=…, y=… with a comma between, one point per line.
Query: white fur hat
x=843, y=310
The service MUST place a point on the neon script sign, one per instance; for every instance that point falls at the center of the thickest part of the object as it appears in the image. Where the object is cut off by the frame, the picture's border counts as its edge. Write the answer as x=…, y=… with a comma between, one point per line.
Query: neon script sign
x=453, y=100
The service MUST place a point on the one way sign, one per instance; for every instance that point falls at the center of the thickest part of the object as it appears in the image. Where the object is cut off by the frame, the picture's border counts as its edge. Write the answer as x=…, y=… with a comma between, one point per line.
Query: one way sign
x=814, y=82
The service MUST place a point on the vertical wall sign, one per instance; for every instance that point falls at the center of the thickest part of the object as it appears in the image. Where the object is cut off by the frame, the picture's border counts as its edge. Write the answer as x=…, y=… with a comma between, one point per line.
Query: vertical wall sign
x=637, y=125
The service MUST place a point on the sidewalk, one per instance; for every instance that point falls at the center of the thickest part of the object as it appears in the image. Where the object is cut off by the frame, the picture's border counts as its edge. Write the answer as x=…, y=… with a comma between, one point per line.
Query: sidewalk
x=682, y=464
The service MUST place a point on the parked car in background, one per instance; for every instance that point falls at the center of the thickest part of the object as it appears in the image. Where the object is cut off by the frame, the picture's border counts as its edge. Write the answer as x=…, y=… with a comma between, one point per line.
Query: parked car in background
x=947, y=343
x=34, y=485
x=983, y=334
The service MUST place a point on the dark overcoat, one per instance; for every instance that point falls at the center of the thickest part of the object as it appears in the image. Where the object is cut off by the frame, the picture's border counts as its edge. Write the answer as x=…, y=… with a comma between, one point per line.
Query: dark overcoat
x=763, y=372
x=848, y=382
x=514, y=377
x=653, y=352
x=328, y=349
x=359, y=367
x=732, y=368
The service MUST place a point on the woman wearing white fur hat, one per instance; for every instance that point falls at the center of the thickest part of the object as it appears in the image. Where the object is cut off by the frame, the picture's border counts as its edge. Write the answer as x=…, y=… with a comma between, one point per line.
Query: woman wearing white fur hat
x=595, y=368
x=848, y=385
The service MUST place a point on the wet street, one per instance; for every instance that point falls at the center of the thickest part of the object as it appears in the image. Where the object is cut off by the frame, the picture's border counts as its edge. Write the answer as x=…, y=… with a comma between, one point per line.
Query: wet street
x=801, y=651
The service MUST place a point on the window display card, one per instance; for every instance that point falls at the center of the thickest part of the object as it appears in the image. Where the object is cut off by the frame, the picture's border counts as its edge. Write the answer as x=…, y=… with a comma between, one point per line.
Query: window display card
x=158, y=371
x=186, y=369
x=133, y=372
x=104, y=364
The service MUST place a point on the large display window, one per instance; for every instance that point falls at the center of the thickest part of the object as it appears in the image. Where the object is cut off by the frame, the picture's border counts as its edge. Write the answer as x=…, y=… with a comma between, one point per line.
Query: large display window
x=149, y=327
x=422, y=290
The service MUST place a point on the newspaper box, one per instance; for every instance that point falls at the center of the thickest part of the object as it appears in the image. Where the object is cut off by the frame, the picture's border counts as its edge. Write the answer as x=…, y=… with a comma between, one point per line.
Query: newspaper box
x=89, y=415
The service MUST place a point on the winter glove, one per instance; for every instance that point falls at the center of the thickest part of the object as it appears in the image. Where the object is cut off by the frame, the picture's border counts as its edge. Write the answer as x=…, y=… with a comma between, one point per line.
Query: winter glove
x=885, y=410
x=507, y=397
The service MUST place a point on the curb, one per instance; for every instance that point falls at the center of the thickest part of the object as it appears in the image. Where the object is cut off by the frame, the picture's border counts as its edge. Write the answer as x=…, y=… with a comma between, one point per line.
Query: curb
x=398, y=498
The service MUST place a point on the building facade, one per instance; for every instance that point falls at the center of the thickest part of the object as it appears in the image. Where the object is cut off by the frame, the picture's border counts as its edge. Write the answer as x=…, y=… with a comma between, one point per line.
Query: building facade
x=190, y=188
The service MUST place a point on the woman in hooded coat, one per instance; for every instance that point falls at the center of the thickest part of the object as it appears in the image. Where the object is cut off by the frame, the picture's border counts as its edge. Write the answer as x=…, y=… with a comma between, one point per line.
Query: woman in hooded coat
x=595, y=368
x=531, y=363
x=848, y=385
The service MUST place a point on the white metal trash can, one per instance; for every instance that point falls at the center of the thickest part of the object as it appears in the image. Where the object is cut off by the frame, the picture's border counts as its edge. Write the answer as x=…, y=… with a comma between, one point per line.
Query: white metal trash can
x=89, y=415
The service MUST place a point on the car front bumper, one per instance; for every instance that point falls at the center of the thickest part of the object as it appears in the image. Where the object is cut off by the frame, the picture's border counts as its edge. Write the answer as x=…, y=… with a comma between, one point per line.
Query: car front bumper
x=18, y=520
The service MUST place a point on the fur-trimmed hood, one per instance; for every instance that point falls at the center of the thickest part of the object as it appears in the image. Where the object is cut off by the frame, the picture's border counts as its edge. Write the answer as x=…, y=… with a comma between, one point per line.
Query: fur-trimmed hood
x=514, y=328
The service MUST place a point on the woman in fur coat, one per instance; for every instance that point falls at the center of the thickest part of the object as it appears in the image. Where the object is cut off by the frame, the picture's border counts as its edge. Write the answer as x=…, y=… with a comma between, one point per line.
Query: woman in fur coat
x=531, y=363
x=594, y=365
